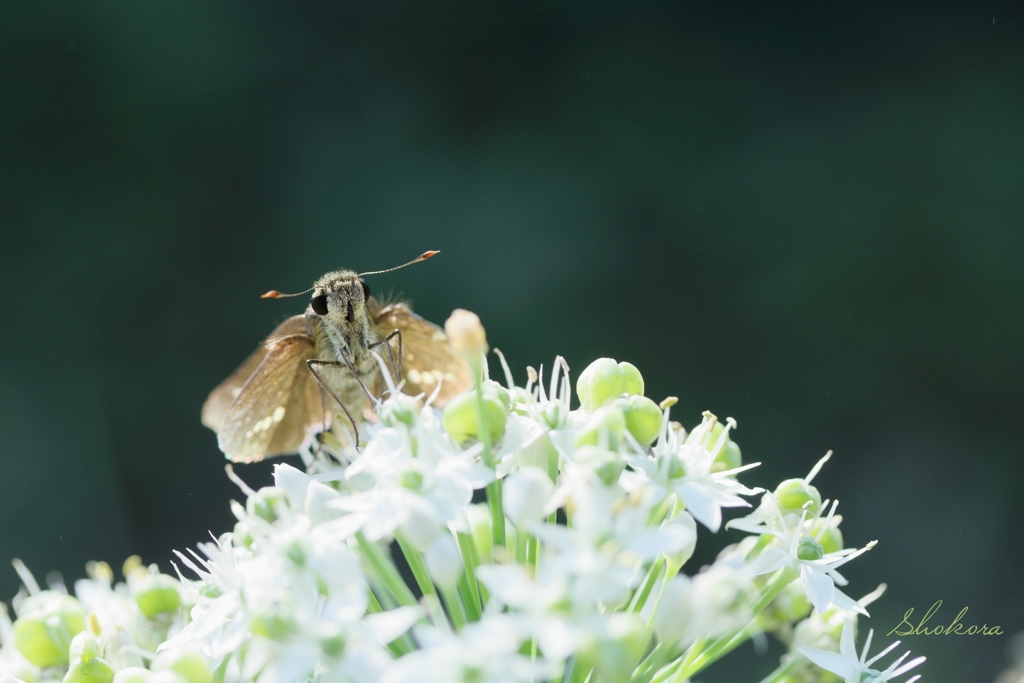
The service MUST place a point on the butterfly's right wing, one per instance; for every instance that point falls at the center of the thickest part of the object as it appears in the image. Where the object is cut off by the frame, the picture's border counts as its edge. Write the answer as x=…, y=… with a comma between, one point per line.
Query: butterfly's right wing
x=277, y=404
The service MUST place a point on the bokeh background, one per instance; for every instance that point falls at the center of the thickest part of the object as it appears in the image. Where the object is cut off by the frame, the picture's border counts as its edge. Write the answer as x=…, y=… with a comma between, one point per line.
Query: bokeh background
x=808, y=216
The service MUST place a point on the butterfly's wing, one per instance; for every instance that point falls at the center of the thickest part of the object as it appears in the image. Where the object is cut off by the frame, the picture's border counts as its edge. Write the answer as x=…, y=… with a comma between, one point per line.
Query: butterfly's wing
x=221, y=398
x=277, y=404
x=428, y=356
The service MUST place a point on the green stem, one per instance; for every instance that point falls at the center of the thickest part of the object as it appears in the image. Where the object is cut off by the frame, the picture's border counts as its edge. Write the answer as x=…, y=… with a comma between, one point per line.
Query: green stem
x=494, y=503
x=674, y=667
x=654, y=660
x=453, y=600
x=469, y=586
x=522, y=546
x=416, y=564
x=653, y=574
x=384, y=572
x=372, y=604
x=567, y=672
x=727, y=643
x=419, y=571
x=494, y=488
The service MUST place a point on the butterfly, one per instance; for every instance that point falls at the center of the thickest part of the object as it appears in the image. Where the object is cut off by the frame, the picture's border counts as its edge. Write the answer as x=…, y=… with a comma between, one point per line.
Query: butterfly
x=323, y=362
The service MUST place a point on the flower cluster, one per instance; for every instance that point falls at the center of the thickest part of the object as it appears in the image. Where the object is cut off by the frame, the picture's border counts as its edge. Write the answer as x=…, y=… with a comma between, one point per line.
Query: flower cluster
x=506, y=538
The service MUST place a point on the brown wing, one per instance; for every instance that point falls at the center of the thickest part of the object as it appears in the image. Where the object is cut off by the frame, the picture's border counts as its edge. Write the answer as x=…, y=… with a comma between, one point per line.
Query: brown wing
x=278, y=402
x=221, y=398
x=428, y=356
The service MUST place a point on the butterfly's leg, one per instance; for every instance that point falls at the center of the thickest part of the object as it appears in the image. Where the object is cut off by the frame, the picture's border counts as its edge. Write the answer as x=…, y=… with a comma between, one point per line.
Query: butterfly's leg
x=323, y=385
x=323, y=411
x=396, y=366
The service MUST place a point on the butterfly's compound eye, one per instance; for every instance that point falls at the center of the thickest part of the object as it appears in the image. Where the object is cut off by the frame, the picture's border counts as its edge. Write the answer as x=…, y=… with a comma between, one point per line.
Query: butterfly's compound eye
x=366, y=290
x=351, y=313
x=319, y=304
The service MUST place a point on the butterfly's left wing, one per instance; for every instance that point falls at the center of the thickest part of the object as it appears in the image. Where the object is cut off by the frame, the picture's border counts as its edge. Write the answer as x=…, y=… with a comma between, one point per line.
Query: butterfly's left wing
x=428, y=357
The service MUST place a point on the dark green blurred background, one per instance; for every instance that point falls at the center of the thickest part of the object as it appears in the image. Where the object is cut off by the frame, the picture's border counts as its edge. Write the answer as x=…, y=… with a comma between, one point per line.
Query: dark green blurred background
x=808, y=216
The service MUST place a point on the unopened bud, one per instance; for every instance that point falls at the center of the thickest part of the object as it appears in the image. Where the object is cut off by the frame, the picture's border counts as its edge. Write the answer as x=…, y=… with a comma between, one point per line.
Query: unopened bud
x=604, y=379
x=466, y=333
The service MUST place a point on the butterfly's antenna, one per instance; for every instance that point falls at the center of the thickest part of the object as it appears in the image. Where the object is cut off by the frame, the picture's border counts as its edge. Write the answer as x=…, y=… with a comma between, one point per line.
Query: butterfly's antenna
x=422, y=257
x=274, y=294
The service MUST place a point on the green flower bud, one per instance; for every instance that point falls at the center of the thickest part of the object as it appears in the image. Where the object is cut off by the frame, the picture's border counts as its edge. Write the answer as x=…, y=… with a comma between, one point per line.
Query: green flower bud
x=643, y=418
x=832, y=540
x=809, y=549
x=156, y=594
x=728, y=456
x=604, y=379
x=273, y=623
x=792, y=604
x=262, y=504
x=676, y=468
x=296, y=553
x=555, y=415
x=95, y=670
x=209, y=590
x=460, y=418
x=48, y=623
x=243, y=534
x=793, y=494
x=604, y=428
x=185, y=663
x=399, y=409
x=84, y=646
x=517, y=396
x=333, y=645
x=411, y=479
x=492, y=388
x=606, y=464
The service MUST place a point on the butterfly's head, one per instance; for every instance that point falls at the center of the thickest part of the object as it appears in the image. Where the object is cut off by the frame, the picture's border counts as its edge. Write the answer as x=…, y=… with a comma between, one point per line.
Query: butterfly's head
x=340, y=297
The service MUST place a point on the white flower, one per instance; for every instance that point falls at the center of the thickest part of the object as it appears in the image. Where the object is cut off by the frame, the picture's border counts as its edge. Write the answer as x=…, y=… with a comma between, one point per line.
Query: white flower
x=484, y=652
x=684, y=470
x=559, y=606
x=803, y=554
x=414, y=478
x=854, y=669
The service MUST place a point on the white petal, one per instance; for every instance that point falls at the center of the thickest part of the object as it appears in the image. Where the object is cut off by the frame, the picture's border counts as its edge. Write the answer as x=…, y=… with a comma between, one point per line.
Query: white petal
x=386, y=626
x=701, y=505
x=317, y=505
x=819, y=587
x=508, y=584
x=830, y=661
x=294, y=482
x=768, y=561
x=844, y=601
x=847, y=645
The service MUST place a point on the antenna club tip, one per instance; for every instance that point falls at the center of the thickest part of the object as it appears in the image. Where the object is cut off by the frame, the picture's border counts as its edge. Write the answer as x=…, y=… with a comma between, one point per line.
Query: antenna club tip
x=272, y=294
x=428, y=254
